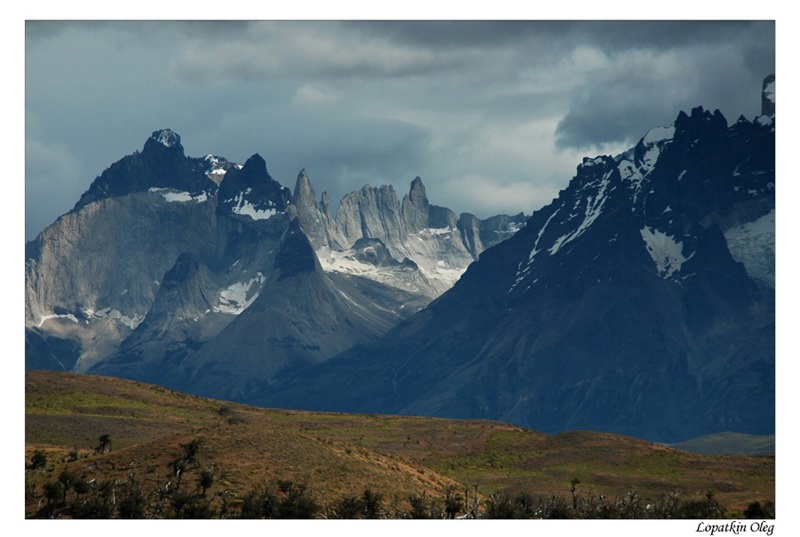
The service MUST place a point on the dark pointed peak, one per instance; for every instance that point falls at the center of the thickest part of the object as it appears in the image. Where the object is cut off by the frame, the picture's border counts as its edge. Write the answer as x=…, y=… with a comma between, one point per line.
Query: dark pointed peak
x=295, y=253
x=256, y=163
x=164, y=139
x=253, y=173
x=252, y=189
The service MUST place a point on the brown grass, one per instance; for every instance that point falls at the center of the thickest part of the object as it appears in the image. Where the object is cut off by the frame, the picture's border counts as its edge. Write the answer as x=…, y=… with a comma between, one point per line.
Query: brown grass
x=340, y=454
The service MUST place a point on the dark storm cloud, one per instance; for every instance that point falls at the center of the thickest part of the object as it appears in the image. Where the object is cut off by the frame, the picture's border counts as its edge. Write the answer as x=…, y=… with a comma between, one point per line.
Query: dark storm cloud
x=643, y=87
x=494, y=115
x=556, y=36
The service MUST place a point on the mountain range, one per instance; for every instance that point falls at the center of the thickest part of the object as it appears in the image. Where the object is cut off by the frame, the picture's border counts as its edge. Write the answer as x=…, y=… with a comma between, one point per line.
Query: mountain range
x=168, y=265
x=640, y=301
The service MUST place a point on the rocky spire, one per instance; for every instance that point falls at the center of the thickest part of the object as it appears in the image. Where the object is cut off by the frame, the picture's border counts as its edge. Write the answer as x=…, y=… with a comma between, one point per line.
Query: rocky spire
x=415, y=206
x=303, y=191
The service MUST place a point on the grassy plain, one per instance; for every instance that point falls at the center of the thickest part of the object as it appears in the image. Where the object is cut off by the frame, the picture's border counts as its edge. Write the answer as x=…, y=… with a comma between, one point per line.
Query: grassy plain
x=336, y=455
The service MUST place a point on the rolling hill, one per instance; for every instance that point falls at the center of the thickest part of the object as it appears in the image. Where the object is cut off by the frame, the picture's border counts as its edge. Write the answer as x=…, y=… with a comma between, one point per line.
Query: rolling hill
x=333, y=456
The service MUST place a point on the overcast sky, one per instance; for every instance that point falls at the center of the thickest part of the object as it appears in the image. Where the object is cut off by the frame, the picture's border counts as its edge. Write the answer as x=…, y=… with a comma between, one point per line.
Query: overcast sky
x=494, y=116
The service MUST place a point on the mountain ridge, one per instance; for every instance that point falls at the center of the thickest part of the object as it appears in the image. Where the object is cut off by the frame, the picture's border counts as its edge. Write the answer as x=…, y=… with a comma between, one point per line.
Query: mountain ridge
x=618, y=307
x=164, y=251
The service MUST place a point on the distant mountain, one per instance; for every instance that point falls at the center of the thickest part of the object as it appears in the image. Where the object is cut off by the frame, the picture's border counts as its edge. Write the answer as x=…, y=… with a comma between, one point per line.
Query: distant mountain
x=640, y=301
x=168, y=265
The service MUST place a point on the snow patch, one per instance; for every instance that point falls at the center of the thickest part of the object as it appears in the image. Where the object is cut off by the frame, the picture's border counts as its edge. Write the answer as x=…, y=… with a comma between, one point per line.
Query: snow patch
x=239, y=296
x=659, y=134
x=666, y=252
x=629, y=172
x=764, y=121
x=594, y=208
x=437, y=230
x=67, y=316
x=769, y=92
x=115, y=315
x=535, y=249
x=174, y=196
x=245, y=208
x=753, y=245
x=166, y=137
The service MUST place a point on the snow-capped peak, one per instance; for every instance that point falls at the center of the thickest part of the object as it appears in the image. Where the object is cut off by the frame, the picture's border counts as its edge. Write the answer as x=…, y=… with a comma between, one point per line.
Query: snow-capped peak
x=166, y=137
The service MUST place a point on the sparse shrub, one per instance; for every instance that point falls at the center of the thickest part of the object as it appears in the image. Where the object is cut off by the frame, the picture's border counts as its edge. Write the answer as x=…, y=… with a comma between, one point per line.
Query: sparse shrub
x=297, y=503
x=187, y=505
x=258, y=504
x=39, y=459
x=419, y=507
x=756, y=510
x=499, y=506
x=371, y=503
x=348, y=507
x=104, y=443
x=452, y=502
x=132, y=505
x=205, y=480
x=191, y=450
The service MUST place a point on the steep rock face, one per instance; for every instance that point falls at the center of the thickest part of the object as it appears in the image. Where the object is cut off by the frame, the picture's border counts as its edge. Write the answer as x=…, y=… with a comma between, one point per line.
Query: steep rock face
x=165, y=251
x=618, y=307
x=431, y=237
x=315, y=218
x=301, y=316
x=93, y=276
x=85, y=279
x=185, y=314
x=372, y=213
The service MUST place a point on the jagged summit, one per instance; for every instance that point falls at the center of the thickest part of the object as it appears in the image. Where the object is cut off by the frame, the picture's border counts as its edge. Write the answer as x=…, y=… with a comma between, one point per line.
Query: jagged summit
x=251, y=192
x=160, y=165
x=167, y=138
x=165, y=252
x=643, y=294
